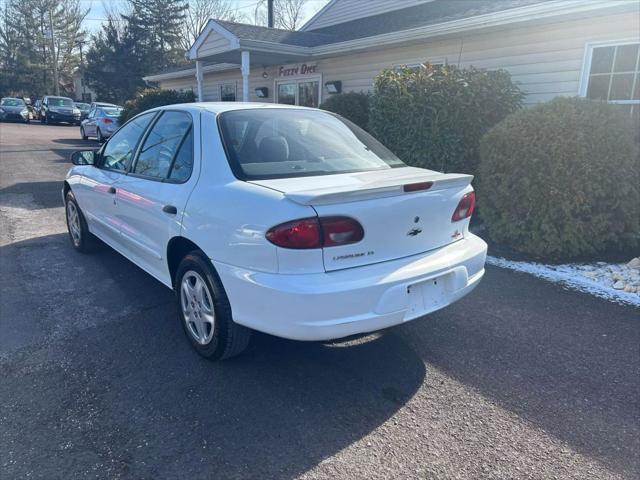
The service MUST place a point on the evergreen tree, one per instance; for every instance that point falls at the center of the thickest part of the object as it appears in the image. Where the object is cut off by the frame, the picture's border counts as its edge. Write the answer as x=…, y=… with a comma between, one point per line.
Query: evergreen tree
x=28, y=54
x=158, y=25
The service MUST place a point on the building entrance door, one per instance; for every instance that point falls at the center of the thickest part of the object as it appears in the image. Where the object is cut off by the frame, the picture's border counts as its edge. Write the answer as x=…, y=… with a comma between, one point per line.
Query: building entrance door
x=303, y=92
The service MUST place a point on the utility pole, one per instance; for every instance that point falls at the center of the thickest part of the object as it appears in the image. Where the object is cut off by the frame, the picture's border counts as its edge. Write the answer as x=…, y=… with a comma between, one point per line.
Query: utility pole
x=80, y=43
x=270, y=13
x=56, y=84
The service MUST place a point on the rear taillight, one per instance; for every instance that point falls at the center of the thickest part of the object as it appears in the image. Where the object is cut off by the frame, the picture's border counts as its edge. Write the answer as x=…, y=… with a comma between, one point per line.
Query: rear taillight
x=465, y=207
x=316, y=233
x=338, y=231
x=107, y=120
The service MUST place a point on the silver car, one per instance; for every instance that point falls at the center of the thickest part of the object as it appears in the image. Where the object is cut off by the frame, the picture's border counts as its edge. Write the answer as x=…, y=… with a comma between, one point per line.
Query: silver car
x=14, y=109
x=101, y=122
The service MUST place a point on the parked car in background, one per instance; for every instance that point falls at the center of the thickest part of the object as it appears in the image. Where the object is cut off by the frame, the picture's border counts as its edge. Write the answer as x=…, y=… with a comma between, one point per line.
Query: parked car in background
x=14, y=109
x=84, y=109
x=59, y=110
x=287, y=220
x=101, y=122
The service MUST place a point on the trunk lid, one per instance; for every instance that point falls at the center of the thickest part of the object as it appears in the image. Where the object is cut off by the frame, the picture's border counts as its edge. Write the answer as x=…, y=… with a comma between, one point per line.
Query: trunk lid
x=397, y=223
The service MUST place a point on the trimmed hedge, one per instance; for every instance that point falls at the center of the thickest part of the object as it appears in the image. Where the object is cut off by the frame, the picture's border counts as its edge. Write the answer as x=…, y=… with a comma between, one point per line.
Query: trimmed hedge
x=562, y=180
x=434, y=116
x=353, y=106
x=151, y=98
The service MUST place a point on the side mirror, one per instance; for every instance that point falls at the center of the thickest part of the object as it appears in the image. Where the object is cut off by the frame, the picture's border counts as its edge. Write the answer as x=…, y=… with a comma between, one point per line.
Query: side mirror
x=83, y=157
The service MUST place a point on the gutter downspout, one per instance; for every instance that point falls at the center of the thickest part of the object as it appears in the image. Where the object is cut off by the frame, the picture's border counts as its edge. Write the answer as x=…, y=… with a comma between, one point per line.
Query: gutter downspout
x=199, y=79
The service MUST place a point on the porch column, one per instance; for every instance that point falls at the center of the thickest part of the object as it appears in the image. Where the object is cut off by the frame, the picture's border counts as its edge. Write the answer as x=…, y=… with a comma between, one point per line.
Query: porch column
x=199, y=79
x=245, y=76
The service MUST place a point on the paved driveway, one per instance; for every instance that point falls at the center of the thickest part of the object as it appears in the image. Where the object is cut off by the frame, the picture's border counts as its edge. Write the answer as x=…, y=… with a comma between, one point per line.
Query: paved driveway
x=520, y=380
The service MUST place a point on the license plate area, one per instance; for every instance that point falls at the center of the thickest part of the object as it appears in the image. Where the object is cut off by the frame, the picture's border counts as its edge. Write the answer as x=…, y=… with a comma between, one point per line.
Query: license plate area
x=425, y=297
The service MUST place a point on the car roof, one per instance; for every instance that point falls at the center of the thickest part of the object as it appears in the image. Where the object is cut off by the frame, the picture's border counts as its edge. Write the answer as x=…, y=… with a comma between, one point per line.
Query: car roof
x=220, y=107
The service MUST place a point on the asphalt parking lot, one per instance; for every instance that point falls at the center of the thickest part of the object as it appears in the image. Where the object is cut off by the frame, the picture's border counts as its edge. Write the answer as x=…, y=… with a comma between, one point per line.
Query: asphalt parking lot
x=522, y=379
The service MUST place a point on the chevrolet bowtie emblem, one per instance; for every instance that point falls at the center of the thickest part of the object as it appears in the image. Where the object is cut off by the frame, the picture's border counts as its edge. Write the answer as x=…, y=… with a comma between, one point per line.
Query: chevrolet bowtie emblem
x=414, y=231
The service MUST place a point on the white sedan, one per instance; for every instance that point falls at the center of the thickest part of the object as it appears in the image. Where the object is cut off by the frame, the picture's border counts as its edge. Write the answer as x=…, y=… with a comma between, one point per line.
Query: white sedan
x=287, y=220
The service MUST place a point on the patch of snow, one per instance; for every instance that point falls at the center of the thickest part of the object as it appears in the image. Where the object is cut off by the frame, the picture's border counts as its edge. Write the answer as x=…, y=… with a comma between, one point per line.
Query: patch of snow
x=596, y=279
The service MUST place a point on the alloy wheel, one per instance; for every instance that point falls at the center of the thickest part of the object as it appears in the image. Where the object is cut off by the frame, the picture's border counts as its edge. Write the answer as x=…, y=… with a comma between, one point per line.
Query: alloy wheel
x=73, y=221
x=197, y=307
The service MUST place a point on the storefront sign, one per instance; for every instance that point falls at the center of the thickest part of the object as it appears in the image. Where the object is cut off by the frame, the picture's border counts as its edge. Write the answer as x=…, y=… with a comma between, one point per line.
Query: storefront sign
x=298, y=69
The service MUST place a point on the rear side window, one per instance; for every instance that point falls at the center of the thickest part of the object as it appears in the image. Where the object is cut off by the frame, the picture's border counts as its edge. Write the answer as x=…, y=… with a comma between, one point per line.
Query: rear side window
x=118, y=151
x=162, y=154
x=282, y=143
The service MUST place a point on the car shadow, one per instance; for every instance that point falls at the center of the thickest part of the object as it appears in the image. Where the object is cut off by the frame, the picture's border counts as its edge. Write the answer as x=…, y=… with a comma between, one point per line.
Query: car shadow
x=44, y=194
x=124, y=389
x=566, y=362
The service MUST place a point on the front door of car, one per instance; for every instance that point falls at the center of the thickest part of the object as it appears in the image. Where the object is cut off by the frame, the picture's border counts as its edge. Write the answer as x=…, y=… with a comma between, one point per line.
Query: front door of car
x=152, y=197
x=97, y=192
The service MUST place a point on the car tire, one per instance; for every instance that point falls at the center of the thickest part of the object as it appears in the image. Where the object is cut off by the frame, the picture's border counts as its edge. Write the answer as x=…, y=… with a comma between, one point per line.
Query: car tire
x=84, y=137
x=99, y=136
x=82, y=239
x=43, y=120
x=207, y=310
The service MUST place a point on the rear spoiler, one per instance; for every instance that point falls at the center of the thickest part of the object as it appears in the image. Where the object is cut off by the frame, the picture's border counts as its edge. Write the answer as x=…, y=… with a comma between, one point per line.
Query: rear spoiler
x=389, y=188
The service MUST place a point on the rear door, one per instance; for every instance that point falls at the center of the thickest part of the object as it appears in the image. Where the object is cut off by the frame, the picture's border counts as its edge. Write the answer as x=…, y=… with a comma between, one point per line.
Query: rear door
x=152, y=197
x=89, y=124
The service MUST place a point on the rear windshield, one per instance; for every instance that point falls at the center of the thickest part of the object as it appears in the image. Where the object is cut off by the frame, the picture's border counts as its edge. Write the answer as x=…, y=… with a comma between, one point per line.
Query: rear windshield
x=282, y=143
x=60, y=102
x=111, y=112
x=82, y=106
x=12, y=102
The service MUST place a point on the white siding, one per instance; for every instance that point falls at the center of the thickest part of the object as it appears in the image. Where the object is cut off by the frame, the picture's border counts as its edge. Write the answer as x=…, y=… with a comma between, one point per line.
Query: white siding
x=345, y=10
x=214, y=43
x=185, y=83
x=546, y=60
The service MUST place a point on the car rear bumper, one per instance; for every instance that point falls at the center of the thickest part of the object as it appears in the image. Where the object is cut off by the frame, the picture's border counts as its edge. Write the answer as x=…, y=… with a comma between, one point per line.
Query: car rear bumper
x=337, y=304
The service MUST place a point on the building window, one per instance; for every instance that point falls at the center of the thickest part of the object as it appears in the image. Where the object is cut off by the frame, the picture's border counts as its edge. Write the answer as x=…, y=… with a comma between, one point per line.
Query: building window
x=613, y=74
x=228, y=92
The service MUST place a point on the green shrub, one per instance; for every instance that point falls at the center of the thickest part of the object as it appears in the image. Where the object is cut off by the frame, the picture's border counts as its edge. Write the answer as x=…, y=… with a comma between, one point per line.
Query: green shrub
x=151, y=98
x=434, y=116
x=561, y=180
x=353, y=106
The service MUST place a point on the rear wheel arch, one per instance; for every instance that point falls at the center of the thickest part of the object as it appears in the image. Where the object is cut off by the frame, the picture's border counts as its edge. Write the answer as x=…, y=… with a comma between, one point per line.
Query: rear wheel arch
x=177, y=249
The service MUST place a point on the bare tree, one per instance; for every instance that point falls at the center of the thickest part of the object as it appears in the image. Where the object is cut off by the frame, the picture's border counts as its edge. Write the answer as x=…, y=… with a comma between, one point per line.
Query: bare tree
x=199, y=13
x=287, y=14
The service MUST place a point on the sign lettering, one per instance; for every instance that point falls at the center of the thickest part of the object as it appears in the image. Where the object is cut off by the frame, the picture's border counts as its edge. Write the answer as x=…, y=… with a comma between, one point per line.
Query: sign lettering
x=294, y=70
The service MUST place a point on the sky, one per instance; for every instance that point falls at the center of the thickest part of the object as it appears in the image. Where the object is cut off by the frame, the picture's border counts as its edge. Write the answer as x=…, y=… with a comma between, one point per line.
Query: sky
x=97, y=13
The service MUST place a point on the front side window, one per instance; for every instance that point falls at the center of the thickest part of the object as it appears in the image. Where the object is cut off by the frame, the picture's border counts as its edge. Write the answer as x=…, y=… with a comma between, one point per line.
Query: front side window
x=614, y=75
x=162, y=146
x=228, y=92
x=118, y=151
x=282, y=143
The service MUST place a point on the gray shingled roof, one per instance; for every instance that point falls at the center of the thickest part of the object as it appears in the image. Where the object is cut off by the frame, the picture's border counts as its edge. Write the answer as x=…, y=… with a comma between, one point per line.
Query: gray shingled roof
x=276, y=35
x=429, y=13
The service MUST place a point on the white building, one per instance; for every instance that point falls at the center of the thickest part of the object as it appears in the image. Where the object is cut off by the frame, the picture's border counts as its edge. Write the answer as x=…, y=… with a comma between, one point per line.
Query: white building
x=550, y=47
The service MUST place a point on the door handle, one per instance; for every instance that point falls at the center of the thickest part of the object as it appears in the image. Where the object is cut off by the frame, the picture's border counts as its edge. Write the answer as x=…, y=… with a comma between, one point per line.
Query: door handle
x=112, y=190
x=170, y=209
